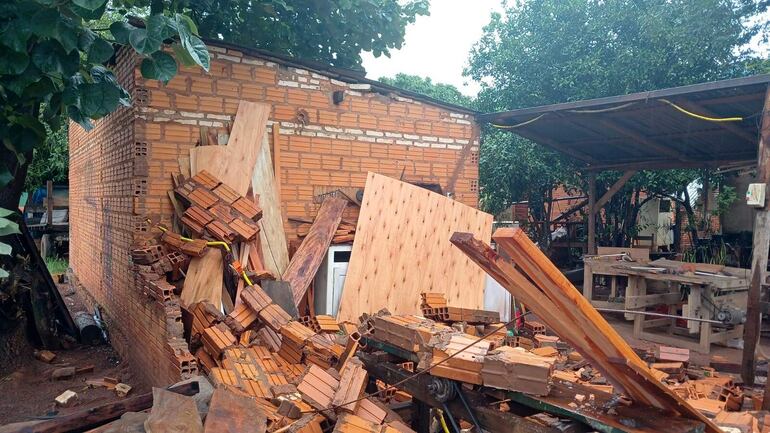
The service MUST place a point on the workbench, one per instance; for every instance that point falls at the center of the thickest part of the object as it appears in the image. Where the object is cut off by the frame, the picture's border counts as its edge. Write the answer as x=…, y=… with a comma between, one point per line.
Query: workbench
x=699, y=290
x=521, y=416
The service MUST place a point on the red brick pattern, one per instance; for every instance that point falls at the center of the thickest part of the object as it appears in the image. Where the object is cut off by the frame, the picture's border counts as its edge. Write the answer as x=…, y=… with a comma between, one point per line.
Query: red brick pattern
x=121, y=171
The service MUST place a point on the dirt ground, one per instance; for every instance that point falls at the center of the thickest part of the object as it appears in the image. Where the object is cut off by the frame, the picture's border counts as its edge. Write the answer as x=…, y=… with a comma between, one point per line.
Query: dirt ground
x=28, y=392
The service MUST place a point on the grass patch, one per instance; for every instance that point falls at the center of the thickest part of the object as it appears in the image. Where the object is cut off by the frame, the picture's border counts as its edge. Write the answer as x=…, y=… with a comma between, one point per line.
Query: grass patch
x=56, y=265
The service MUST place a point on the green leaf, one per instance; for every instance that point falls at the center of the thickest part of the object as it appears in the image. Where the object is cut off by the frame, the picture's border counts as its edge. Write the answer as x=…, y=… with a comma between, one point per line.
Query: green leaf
x=5, y=249
x=44, y=22
x=66, y=34
x=5, y=177
x=99, y=99
x=50, y=57
x=4, y=273
x=89, y=14
x=22, y=139
x=77, y=116
x=182, y=55
x=100, y=51
x=90, y=5
x=187, y=22
x=5, y=212
x=121, y=31
x=13, y=63
x=160, y=66
x=16, y=35
x=144, y=42
x=8, y=228
x=197, y=50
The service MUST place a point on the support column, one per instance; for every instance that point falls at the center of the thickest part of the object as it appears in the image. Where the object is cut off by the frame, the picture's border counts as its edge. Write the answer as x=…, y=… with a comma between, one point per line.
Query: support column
x=760, y=246
x=591, y=247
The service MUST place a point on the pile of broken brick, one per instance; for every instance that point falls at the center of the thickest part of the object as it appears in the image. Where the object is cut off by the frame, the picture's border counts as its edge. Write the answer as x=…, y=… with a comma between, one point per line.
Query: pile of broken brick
x=302, y=373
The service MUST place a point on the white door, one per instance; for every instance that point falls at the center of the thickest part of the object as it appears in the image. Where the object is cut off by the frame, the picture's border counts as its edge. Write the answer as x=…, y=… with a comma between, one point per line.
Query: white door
x=338, y=282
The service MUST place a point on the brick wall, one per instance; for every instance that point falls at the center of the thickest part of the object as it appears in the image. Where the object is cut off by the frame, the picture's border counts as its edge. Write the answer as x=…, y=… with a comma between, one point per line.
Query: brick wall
x=121, y=171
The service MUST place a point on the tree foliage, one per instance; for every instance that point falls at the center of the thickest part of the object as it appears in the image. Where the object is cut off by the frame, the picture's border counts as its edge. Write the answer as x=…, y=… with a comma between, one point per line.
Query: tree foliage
x=332, y=31
x=425, y=86
x=52, y=67
x=549, y=51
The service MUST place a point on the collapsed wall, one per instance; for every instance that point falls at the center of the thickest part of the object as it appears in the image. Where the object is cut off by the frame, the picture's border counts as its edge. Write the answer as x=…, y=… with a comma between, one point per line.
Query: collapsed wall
x=120, y=172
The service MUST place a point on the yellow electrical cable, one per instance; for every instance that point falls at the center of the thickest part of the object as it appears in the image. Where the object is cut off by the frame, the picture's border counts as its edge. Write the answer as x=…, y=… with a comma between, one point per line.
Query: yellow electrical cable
x=701, y=117
x=527, y=122
x=247, y=279
x=442, y=420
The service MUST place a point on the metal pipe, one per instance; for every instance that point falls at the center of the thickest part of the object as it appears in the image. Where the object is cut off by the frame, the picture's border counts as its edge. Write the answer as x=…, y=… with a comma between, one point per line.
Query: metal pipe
x=451, y=418
x=649, y=313
x=467, y=407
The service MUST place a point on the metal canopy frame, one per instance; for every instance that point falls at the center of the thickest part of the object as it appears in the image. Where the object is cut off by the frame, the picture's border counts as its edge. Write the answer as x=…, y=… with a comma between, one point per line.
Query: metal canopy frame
x=647, y=130
x=664, y=129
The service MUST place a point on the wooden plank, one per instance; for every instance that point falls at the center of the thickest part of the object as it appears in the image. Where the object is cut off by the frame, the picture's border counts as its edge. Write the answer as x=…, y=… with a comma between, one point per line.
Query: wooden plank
x=760, y=245
x=204, y=279
x=234, y=163
x=232, y=413
x=591, y=217
x=173, y=412
x=271, y=234
x=614, y=189
x=544, y=289
x=277, y=158
x=402, y=249
x=304, y=265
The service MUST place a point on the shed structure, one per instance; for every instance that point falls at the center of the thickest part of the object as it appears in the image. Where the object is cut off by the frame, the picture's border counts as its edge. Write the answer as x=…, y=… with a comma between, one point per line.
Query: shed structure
x=327, y=129
x=719, y=124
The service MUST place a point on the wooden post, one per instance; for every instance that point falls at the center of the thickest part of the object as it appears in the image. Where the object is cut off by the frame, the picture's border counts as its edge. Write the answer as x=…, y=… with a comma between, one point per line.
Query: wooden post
x=277, y=158
x=49, y=202
x=591, y=247
x=760, y=246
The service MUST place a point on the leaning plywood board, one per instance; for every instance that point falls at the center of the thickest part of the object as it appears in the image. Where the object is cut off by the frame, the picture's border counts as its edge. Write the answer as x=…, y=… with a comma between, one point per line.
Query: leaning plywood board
x=402, y=249
x=234, y=167
x=275, y=251
x=305, y=262
x=535, y=281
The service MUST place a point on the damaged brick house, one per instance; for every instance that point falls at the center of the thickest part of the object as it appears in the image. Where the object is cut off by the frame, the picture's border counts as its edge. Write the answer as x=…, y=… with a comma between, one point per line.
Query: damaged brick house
x=333, y=127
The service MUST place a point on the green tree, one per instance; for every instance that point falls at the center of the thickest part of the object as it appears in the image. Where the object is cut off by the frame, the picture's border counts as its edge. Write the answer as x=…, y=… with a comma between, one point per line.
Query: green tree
x=425, y=86
x=54, y=58
x=549, y=51
x=50, y=160
x=333, y=32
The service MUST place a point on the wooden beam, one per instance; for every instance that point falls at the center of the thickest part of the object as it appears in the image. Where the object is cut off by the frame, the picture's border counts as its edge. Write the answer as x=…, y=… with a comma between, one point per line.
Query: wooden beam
x=760, y=246
x=491, y=419
x=305, y=262
x=534, y=280
x=613, y=189
x=591, y=246
x=277, y=158
x=668, y=164
x=87, y=419
x=644, y=141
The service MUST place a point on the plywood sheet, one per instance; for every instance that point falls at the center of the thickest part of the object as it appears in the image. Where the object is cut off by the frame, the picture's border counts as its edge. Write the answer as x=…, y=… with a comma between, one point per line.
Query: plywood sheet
x=305, y=262
x=204, y=279
x=275, y=251
x=235, y=165
x=402, y=249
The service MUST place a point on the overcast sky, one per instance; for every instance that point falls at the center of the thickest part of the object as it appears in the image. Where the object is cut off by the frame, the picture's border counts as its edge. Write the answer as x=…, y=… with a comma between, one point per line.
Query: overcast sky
x=437, y=46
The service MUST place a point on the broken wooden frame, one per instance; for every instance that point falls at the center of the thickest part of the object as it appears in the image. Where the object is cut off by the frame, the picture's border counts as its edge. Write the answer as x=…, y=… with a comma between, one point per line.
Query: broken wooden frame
x=535, y=281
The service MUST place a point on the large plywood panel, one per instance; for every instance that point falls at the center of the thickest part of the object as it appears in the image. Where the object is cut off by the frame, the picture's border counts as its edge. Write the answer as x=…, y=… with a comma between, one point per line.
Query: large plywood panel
x=402, y=248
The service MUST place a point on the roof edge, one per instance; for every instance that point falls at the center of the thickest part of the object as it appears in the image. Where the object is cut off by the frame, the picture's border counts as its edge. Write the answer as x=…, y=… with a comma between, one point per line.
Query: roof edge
x=630, y=97
x=342, y=74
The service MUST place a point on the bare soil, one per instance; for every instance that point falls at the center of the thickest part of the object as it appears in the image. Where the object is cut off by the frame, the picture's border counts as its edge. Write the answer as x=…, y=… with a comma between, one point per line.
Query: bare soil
x=27, y=392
